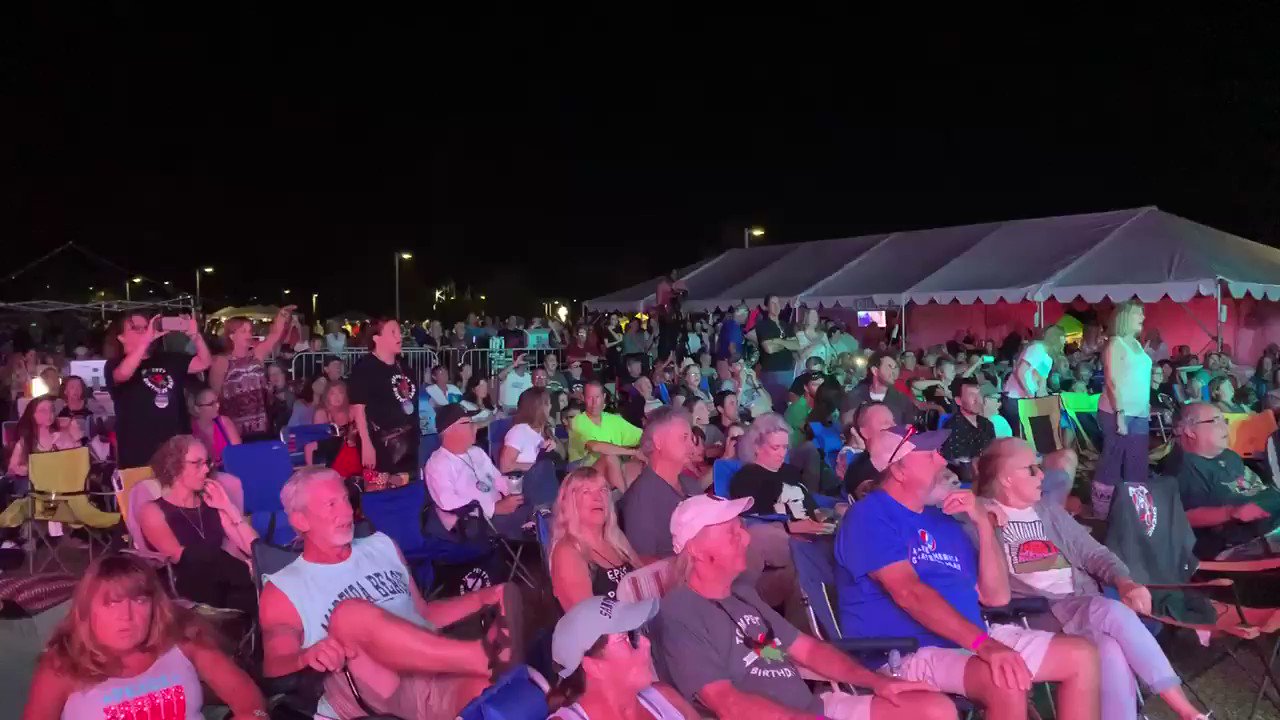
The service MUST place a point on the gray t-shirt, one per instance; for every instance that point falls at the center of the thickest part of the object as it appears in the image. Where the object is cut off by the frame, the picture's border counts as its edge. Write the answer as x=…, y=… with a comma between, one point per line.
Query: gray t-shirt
x=704, y=641
x=646, y=512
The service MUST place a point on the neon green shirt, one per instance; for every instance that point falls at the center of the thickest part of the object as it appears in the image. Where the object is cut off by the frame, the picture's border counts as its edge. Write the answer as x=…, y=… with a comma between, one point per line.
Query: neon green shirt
x=612, y=429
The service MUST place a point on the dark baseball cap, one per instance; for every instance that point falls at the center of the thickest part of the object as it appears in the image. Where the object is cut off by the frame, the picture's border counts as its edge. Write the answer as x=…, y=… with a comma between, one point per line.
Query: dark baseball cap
x=450, y=415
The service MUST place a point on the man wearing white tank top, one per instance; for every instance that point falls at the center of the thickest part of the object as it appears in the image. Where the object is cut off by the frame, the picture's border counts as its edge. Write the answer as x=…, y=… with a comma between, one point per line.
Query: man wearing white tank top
x=352, y=602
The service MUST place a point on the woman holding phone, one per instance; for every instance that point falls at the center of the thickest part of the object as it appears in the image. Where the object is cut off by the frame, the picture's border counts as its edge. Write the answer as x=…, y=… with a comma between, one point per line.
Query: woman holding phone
x=196, y=526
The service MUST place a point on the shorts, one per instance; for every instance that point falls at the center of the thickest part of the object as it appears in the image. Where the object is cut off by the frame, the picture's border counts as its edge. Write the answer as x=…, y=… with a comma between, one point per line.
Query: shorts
x=943, y=668
x=414, y=696
x=843, y=706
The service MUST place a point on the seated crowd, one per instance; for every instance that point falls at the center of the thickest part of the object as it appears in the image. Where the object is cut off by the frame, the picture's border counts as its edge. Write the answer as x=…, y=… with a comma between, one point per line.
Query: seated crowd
x=698, y=452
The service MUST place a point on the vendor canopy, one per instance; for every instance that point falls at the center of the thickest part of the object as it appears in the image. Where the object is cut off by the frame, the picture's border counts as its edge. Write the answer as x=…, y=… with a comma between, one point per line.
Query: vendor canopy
x=1116, y=255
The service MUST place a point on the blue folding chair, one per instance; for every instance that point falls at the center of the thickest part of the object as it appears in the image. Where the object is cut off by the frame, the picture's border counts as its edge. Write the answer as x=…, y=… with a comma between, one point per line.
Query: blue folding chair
x=497, y=432
x=427, y=445
x=520, y=694
x=298, y=437
x=943, y=419
x=397, y=513
x=722, y=472
x=827, y=439
x=544, y=521
x=263, y=468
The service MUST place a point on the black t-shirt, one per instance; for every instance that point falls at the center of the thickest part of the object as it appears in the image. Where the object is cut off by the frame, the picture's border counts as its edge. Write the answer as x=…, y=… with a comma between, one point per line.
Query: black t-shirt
x=765, y=487
x=390, y=399
x=1224, y=481
x=858, y=472
x=151, y=406
x=967, y=440
x=767, y=329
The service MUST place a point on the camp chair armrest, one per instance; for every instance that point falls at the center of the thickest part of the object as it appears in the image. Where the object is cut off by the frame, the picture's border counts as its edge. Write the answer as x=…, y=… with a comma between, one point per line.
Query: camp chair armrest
x=761, y=517
x=877, y=644
x=1241, y=566
x=305, y=684
x=470, y=508
x=1017, y=609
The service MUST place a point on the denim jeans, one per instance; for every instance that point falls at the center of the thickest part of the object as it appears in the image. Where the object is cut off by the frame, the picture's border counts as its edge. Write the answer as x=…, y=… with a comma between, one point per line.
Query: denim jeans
x=1124, y=458
x=1125, y=649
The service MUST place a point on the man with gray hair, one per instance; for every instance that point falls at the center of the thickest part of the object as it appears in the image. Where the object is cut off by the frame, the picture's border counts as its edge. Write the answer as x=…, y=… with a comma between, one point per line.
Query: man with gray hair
x=666, y=443
x=723, y=645
x=351, y=602
x=1227, y=503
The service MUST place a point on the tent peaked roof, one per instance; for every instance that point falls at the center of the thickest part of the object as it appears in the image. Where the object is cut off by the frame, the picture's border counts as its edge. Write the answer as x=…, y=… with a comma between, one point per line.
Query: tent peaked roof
x=1141, y=252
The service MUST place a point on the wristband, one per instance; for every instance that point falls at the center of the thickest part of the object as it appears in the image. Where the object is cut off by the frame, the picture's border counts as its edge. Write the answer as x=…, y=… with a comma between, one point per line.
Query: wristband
x=978, y=641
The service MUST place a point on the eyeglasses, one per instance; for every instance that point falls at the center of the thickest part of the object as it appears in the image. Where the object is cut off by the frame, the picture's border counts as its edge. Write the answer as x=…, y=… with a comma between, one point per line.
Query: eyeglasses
x=202, y=462
x=211, y=403
x=1035, y=469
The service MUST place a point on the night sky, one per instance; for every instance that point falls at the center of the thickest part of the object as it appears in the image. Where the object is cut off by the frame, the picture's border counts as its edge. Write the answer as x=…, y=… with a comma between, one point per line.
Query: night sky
x=567, y=156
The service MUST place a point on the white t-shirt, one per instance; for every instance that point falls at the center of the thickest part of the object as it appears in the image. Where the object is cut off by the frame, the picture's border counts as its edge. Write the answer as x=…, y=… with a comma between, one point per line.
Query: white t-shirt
x=525, y=440
x=455, y=480
x=512, y=386
x=1037, y=356
x=439, y=398
x=1032, y=557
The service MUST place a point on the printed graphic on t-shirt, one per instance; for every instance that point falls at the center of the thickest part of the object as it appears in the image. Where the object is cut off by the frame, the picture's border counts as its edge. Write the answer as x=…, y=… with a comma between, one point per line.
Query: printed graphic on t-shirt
x=377, y=587
x=402, y=387
x=1247, y=485
x=927, y=551
x=168, y=703
x=615, y=575
x=764, y=655
x=158, y=380
x=1144, y=507
x=1029, y=549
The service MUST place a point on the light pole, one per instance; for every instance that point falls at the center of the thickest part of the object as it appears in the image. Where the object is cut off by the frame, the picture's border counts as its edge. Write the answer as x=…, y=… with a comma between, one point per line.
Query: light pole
x=128, y=295
x=199, y=272
x=750, y=232
x=400, y=256
x=313, y=306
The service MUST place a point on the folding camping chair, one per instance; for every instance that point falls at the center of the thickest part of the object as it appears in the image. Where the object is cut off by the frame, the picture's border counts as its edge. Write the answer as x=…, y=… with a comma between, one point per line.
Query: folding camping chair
x=58, y=494
x=544, y=524
x=519, y=694
x=1040, y=421
x=1147, y=523
x=1082, y=412
x=298, y=437
x=263, y=468
x=815, y=565
x=497, y=433
x=123, y=480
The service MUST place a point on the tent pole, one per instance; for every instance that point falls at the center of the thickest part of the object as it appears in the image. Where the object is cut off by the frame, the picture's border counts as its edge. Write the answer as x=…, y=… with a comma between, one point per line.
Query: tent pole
x=1039, y=314
x=1217, y=316
x=902, y=326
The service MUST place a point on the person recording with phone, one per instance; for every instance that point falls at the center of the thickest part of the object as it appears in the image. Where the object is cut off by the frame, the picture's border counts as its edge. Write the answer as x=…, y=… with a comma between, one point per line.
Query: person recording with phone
x=148, y=385
x=239, y=375
x=198, y=527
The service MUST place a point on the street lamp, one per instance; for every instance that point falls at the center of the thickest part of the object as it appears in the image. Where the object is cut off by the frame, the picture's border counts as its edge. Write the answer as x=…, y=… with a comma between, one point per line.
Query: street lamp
x=313, y=306
x=400, y=256
x=199, y=272
x=750, y=232
x=128, y=294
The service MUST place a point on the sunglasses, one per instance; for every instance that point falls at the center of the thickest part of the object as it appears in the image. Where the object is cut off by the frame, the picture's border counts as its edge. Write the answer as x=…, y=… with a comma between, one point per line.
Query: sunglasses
x=911, y=430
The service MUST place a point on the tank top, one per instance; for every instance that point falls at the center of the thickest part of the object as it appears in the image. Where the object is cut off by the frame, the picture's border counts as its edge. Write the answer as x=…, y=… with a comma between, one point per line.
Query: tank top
x=200, y=525
x=168, y=690
x=216, y=441
x=650, y=699
x=604, y=580
x=372, y=572
x=1130, y=370
x=244, y=395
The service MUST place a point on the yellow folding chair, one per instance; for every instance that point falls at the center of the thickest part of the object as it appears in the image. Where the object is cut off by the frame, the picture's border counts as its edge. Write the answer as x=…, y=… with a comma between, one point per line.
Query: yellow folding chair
x=58, y=494
x=123, y=480
x=1040, y=420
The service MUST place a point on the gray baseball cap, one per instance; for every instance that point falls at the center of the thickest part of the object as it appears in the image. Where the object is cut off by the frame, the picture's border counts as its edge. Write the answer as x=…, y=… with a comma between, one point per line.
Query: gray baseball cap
x=591, y=619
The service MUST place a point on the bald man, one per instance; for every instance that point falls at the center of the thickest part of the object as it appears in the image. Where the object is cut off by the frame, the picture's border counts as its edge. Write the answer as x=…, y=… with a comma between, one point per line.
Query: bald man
x=1226, y=502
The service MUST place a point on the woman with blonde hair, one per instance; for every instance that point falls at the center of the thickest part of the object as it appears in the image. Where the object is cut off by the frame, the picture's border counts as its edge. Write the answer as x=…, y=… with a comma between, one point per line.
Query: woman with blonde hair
x=126, y=650
x=1124, y=410
x=589, y=553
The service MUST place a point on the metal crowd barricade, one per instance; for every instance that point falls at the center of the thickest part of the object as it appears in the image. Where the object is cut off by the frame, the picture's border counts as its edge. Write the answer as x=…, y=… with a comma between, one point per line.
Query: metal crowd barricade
x=419, y=361
x=486, y=362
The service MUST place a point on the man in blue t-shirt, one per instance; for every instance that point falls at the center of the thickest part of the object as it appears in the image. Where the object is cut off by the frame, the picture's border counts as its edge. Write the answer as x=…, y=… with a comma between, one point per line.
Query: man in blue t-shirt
x=908, y=568
x=732, y=340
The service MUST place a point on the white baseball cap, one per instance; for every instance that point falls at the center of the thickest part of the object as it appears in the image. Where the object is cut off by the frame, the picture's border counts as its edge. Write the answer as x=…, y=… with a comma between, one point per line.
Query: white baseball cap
x=700, y=511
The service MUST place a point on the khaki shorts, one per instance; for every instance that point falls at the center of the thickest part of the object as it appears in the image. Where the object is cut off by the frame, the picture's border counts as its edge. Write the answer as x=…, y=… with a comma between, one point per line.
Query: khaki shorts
x=426, y=696
x=943, y=668
x=843, y=706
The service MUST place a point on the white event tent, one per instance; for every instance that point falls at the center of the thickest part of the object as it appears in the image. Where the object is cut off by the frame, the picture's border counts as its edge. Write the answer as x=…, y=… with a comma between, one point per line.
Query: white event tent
x=1096, y=257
